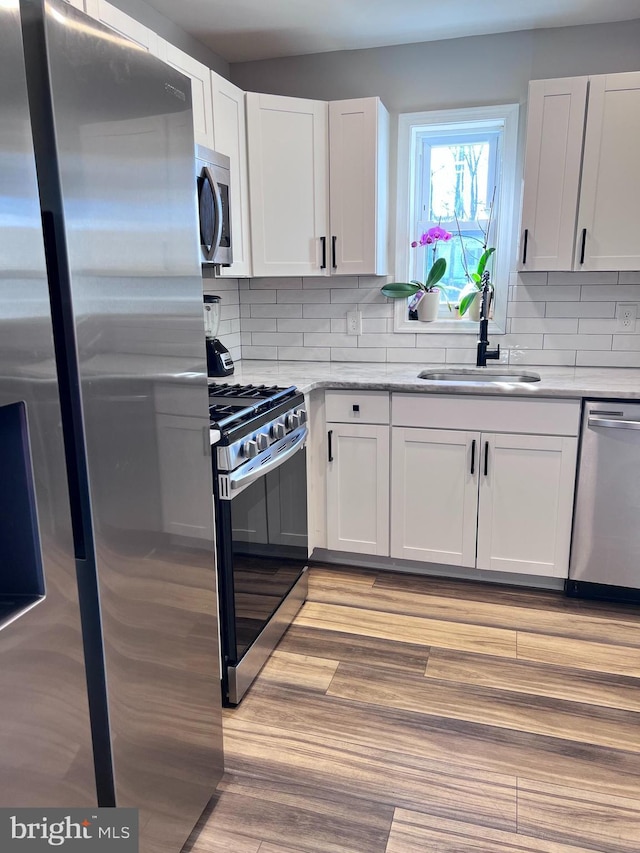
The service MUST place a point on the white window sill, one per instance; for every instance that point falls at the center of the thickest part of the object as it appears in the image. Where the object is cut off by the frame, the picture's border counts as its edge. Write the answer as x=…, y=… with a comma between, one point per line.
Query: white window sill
x=441, y=325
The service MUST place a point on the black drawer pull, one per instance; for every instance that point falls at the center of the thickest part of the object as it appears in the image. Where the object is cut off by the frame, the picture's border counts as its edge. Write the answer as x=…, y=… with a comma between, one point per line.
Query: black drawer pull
x=330, y=444
x=356, y=407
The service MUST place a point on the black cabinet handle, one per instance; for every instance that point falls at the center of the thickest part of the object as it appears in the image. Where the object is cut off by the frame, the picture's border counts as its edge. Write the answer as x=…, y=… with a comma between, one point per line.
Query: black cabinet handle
x=473, y=456
x=486, y=458
x=524, y=250
x=323, y=265
x=584, y=243
x=333, y=253
x=329, y=441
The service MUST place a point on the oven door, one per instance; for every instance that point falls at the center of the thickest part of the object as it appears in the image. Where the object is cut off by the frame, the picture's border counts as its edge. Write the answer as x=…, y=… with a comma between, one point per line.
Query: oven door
x=215, y=215
x=261, y=518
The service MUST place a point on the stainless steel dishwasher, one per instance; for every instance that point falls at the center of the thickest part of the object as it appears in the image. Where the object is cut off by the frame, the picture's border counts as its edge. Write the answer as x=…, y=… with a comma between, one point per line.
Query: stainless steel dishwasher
x=605, y=545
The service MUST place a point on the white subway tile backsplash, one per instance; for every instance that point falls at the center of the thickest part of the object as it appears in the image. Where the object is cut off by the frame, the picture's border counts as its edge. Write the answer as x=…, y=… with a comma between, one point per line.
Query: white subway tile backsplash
x=300, y=325
x=358, y=354
x=304, y=353
x=629, y=277
x=552, y=318
x=576, y=342
x=543, y=324
x=277, y=339
x=614, y=358
x=276, y=311
x=318, y=340
x=579, y=278
x=581, y=309
x=270, y=353
x=564, y=358
x=617, y=292
x=528, y=309
x=330, y=281
x=257, y=325
x=305, y=295
x=255, y=297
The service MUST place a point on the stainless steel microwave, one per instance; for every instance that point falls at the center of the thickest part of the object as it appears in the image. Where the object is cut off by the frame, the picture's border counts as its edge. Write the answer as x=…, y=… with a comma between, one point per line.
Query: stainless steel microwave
x=213, y=185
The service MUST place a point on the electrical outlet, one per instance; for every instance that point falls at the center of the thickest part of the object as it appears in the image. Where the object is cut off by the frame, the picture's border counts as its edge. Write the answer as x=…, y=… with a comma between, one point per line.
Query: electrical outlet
x=354, y=322
x=626, y=318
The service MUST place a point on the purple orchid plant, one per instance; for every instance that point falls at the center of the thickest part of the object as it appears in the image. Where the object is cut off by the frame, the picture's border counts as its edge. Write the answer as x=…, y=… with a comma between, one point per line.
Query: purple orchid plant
x=433, y=277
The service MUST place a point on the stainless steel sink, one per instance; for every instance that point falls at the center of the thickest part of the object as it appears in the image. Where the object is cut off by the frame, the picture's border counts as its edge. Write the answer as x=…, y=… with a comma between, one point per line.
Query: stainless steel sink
x=478, y=374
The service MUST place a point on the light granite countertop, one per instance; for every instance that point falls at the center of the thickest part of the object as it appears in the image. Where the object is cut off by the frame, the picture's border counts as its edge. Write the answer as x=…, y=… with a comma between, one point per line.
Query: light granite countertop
x=567, y=382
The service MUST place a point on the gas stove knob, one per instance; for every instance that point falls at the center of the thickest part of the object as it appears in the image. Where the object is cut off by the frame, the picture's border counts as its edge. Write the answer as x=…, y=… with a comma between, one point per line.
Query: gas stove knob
x=262, y=441
x=292, y=421
x=277, y=431
x=249, y=449
x=302, y=415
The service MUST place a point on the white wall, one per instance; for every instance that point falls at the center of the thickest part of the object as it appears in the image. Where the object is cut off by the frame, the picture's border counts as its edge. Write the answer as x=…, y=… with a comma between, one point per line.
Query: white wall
x=560, y=318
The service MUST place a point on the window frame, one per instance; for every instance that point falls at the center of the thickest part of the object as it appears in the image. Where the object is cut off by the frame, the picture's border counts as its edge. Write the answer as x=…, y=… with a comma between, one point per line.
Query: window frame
x=409, y=125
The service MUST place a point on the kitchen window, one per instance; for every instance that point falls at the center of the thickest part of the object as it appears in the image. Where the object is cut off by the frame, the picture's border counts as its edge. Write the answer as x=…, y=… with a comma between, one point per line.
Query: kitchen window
x=456, y=169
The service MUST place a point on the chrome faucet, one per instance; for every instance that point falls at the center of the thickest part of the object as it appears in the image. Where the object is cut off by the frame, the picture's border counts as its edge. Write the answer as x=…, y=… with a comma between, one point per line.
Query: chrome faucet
x=483, y=342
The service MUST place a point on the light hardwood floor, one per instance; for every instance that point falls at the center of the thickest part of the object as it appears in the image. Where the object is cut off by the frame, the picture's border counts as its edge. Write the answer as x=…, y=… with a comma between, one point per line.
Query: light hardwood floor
x=406, y=714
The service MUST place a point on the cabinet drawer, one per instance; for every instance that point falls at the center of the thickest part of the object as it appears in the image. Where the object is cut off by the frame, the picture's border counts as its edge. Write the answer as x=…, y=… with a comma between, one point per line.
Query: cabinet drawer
x=365, y=407
x=487, y=414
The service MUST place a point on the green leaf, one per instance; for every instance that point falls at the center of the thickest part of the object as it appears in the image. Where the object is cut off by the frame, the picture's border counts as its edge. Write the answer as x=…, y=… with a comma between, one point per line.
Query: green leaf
x=466, y=301
x=436, y=272
x=398, y=289
x=483, y=260
x=475, y=277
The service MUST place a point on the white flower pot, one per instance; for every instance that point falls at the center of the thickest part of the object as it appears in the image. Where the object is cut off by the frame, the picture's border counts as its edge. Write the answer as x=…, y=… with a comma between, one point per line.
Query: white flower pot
x=473, y=311
x=429, y=306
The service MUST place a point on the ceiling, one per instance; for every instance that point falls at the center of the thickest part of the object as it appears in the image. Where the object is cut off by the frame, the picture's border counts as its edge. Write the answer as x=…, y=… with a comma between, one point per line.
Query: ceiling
x=242, y=30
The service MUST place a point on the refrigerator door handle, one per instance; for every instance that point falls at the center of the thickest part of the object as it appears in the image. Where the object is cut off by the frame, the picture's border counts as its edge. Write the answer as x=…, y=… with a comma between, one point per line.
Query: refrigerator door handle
x=211, y=243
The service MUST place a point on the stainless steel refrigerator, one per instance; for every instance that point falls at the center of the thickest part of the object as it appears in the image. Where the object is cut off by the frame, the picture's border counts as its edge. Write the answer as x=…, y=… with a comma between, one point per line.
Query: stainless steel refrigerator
x=109, y=663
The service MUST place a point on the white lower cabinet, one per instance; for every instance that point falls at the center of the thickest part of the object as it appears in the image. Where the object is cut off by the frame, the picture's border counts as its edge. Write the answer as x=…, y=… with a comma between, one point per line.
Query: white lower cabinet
x=358, y=488
x=499, y=502
x=434, y=495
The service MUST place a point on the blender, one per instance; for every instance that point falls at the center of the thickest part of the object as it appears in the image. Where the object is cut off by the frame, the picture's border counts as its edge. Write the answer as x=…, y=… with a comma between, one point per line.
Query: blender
x=219, y=362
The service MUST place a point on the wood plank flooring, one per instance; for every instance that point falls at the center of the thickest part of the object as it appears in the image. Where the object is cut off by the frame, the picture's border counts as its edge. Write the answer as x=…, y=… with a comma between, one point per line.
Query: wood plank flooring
x=407, y=714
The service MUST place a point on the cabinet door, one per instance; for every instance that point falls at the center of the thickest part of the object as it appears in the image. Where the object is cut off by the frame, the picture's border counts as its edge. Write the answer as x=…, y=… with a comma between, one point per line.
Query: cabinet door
x=555, y=127
x=358, y=192
x=434, y=495
x=230, y=138
x=183, y=446
x=609, y=218
x=79, y=4
x=358, y=489
x=200, y=77
x=288, y=175
x=526, y=500
x=121, y=23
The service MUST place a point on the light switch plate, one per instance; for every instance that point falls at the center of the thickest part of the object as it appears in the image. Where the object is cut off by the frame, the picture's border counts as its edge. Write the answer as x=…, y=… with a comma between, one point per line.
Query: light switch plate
x=354, y=322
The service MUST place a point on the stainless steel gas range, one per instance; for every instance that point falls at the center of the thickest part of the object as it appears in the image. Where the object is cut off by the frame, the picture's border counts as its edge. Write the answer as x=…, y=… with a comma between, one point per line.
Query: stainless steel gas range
x=260, y=497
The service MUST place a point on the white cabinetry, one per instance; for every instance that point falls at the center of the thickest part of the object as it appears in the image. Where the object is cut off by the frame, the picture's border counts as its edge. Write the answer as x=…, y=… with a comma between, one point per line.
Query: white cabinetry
x=580, y=209
x=79, y=4
x=358, y=472
x=291, y=172
x=230, y=138
x=498, y=501
x=120, y=22
x=200, y=77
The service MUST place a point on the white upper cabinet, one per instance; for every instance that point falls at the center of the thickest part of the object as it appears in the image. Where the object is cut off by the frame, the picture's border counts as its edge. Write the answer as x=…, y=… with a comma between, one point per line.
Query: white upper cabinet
x=582, y=180
x=301, y=154
x=79, y=4
x=552, y=173
x=121, y=23
x=288, y=175
x=358, y=186
x=200, y=77
x=609, y=215
x=230, y=138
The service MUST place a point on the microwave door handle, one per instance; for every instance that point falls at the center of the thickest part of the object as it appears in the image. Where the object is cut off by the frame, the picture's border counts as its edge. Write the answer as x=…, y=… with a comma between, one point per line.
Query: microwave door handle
x=210, y=251
x=238, y=480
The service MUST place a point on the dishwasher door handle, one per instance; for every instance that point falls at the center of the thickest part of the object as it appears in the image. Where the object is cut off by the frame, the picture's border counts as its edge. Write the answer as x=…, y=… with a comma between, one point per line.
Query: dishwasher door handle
x=607, y=422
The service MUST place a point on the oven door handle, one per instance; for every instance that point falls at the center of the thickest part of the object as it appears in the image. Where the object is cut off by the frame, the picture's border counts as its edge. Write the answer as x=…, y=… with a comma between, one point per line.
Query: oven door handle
x=295, y=441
